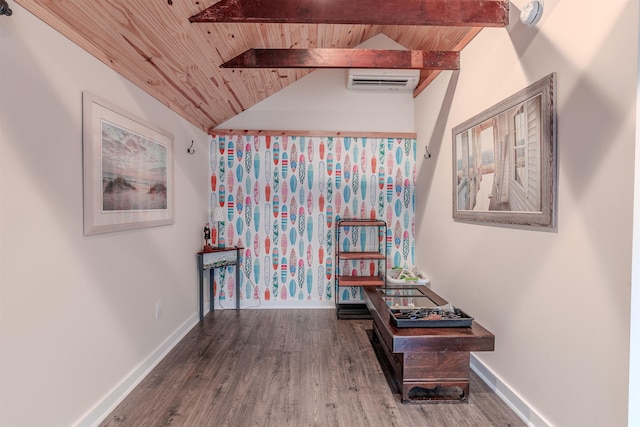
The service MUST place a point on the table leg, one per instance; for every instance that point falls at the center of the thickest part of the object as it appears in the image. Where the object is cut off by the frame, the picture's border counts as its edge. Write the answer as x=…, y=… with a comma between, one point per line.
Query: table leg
x=237, y=279
x=212, y=275
x=200, y=285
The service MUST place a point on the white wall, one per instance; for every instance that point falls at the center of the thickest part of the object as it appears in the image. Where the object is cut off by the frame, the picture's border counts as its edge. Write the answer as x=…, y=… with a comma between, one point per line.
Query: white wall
x=634, y=339
x=557, y=301
x=77, y=314
x=320, y=101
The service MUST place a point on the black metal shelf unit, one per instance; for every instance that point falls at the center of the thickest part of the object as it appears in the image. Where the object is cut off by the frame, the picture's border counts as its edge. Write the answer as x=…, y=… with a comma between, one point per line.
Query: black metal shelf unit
x=377, y=255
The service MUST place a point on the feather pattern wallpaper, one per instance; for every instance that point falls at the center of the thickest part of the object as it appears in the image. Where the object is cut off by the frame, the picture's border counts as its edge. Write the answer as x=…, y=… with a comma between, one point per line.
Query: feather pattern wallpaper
x=281, y=197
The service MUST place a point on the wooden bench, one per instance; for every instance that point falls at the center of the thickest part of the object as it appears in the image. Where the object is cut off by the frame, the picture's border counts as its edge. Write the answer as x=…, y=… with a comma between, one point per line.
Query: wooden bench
x=427, y=364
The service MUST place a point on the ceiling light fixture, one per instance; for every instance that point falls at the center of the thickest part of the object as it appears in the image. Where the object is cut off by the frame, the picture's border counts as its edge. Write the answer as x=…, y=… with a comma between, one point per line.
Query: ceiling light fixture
x=532, y=12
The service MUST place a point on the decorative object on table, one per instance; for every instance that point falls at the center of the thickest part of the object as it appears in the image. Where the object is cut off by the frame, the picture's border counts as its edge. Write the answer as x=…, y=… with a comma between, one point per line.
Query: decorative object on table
x=128, y=170
x=399, y=275
x=217, y=216
x=411, y=308
x=504, y=160
x=429, y=317
x=207, y=239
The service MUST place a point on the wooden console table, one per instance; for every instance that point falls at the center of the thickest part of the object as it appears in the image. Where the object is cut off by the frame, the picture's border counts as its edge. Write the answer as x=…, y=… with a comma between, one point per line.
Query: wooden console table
x=218, y=258
x=427, y=364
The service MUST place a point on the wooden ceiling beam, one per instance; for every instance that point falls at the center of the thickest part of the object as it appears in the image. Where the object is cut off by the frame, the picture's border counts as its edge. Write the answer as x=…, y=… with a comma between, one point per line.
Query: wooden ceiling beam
x=427, y=76
x=467, y=13
x=345, y=58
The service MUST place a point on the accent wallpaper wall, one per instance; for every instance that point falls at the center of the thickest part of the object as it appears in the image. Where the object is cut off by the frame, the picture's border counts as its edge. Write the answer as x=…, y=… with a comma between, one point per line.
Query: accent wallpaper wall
x=280, y=198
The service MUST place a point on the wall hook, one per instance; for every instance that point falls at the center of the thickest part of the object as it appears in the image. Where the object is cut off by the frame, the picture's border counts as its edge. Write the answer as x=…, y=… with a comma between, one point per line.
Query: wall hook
x=4, y=8
x=427, y=154
x=191, y=150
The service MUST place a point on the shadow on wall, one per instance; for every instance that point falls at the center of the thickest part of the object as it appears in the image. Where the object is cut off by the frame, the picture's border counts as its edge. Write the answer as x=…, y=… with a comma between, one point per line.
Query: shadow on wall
x=434, y=143
x=521, y=36
x=591, y=112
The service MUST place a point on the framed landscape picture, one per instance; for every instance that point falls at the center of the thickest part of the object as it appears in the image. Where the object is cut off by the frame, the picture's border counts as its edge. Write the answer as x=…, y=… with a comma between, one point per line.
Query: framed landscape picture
x=128, y=170
x=504, y=160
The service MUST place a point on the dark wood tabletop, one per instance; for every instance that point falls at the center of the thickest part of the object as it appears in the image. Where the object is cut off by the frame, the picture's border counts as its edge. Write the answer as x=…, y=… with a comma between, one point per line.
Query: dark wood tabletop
x=416, y=340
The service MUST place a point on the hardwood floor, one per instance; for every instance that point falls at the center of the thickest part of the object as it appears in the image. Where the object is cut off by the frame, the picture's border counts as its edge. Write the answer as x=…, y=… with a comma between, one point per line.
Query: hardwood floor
x=287, y=368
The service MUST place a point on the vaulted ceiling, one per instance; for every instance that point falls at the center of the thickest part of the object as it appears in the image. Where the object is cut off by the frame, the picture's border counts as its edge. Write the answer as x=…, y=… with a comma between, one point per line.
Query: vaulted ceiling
x=154, y=44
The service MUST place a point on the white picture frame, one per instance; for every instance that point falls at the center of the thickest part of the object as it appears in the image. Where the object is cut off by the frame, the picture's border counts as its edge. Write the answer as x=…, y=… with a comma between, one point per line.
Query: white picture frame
x=128, y=171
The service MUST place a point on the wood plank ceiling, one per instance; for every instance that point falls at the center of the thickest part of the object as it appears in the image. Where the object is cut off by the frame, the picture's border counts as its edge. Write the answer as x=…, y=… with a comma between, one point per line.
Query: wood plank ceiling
x=153, y=44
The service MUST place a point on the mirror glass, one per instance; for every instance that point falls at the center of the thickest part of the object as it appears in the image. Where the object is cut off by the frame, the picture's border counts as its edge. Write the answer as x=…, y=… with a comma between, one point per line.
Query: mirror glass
x=398, y=302
x=400, y=291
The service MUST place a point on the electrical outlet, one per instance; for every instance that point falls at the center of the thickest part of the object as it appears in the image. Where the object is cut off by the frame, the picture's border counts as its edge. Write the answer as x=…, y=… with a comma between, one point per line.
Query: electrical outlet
x=158, y=309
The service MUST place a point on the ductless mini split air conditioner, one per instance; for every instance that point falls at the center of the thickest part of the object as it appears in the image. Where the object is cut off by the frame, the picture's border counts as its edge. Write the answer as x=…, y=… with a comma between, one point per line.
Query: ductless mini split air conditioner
x=382, y=80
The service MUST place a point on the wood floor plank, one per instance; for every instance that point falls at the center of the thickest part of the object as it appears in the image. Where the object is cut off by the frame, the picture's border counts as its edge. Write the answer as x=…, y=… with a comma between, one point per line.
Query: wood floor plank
x=287, y=368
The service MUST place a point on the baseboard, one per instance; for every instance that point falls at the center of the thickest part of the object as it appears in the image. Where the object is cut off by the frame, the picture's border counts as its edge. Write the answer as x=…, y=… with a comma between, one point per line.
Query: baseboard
x=502, y=390
x=273, y=304
x=112, y=399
